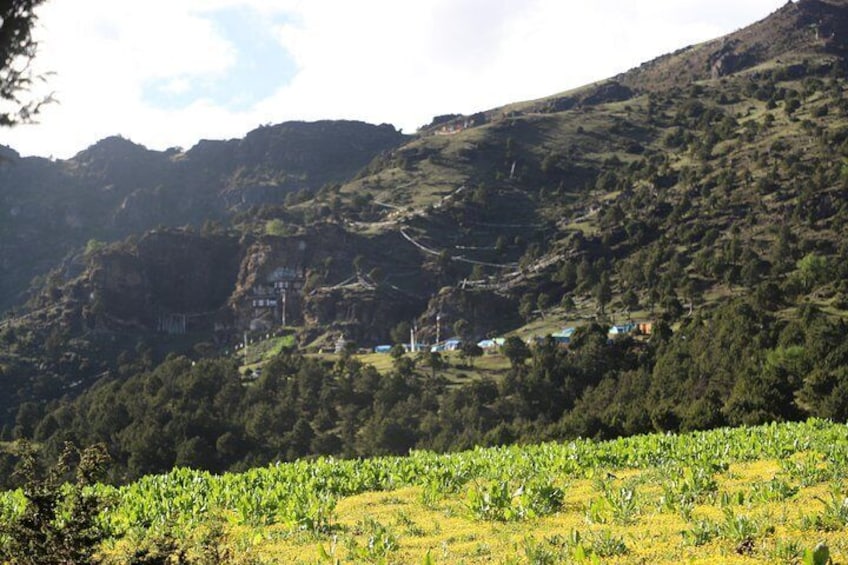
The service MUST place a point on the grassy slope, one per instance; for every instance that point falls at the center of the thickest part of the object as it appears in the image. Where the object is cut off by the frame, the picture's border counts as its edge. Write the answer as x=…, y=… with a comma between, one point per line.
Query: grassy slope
x=731, y=496
x=653, y=534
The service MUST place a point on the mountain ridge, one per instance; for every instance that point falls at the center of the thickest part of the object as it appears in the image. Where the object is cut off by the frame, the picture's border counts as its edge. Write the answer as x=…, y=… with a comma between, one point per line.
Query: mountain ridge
x=117, y=187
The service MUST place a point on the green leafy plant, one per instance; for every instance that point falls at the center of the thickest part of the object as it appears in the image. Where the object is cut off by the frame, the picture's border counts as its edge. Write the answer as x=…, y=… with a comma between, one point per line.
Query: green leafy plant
x=695, y=485
x=380, y=545
x=787, y=551
x=701, y=532
x=543, y=497
x=623, y=504
x=541, y=553
x=328, y=556
x=409, y=524
x=503, y=501
x=597, y=511
x=743, y=530
x=820, y=555
x=495, y=501
x=834, y=515
x=807, y=468
x=443, y=481
x=773, y=490
x=606, y=544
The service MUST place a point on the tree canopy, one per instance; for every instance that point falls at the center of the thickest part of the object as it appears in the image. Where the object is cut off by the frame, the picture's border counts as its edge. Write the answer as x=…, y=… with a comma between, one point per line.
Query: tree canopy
x=17, y=50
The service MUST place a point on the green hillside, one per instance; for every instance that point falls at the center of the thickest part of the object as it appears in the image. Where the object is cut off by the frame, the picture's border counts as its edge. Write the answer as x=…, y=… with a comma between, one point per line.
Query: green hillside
x=703, y=194
x=764, y=494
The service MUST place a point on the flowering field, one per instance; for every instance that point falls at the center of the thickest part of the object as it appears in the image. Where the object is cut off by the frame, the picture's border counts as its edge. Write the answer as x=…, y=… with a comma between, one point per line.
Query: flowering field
x=764, y=494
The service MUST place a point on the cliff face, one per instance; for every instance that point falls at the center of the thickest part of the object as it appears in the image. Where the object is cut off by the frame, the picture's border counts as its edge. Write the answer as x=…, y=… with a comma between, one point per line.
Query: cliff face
x=189, y=272
x=332, y=278
x=120, y=288
x=166, y=274
x=175, y=281
x=269, y=286
x=361, y=311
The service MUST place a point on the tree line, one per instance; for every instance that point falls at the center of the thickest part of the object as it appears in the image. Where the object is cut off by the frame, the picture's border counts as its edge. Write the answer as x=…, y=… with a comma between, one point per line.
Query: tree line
x=738, y=364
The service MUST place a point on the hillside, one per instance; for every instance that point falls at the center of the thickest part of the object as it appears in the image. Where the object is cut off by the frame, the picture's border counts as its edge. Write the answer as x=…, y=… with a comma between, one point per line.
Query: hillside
x=766, y=494
x=704, y=194
x=797, y=32
x=116, y=188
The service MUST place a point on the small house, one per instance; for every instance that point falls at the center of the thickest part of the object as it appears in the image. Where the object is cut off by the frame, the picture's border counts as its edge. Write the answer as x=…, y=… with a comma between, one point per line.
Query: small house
x=622, y=329
x=490, y=344
x=453, y=344
x=563, y=337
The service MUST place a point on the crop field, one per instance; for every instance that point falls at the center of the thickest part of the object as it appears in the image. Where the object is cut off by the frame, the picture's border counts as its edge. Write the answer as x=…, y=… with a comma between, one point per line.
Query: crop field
x=767, y=494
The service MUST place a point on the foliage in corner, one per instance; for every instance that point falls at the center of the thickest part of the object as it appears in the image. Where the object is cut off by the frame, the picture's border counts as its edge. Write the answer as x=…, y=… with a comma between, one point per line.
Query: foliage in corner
x=59, y=523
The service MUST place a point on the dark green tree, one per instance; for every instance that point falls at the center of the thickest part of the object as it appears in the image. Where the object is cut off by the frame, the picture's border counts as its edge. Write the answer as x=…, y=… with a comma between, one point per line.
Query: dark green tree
x=433, y=360
x=526, y=305
x=603, y=293
x=515, y=350
x=630, y=299
x=587, y=276
x=543, y=302
x=567, y=276
x=471, y=350
x=397, y=351
x=400, y=333
x=17, y=50
x=59, y=524
x=825, y=393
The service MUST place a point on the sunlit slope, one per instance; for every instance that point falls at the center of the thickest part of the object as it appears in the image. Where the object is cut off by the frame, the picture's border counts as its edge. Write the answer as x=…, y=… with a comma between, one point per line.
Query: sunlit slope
x=763, y=494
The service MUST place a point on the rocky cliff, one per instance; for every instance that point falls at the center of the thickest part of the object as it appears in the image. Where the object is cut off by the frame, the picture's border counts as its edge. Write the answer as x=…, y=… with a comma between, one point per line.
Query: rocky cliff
x=115, y=188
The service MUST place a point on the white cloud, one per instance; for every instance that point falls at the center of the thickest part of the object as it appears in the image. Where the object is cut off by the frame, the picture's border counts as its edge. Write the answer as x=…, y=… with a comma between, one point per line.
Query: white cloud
x=391, y=61
x=179, y=85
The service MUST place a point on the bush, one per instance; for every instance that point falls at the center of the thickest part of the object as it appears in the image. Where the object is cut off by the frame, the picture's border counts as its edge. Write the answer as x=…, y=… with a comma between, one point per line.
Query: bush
x=59, y=524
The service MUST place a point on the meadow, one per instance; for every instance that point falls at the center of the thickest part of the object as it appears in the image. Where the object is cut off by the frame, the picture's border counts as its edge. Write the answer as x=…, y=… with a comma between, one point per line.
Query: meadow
x=767, y=494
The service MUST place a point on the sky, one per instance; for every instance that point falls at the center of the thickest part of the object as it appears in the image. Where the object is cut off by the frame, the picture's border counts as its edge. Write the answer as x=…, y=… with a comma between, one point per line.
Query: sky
x=168, y=73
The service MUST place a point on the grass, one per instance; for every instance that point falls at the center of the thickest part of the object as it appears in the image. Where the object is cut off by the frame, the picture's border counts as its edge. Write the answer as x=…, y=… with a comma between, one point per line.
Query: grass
x=7, y=446
x=717, y=530
x=458, y=371
x=587, y=228
x=260, y=352
x=383, y=362
x=653, y=536
x=695, y=498
x=549, y=324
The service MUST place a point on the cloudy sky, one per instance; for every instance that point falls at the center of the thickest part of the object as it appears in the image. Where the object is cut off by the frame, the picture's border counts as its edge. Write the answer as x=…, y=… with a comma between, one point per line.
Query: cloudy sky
x=171, y=72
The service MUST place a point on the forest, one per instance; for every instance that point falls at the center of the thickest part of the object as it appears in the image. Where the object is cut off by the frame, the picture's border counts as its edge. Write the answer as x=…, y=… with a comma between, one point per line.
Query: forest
x=736, y=365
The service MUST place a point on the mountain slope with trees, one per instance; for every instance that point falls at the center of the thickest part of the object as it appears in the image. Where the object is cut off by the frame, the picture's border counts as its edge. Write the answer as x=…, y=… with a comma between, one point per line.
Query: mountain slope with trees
x=706, y=191
x=116, y=188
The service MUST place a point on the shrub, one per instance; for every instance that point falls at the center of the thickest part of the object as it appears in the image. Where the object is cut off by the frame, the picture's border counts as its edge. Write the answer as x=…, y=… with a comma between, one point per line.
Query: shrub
x=59, y=523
